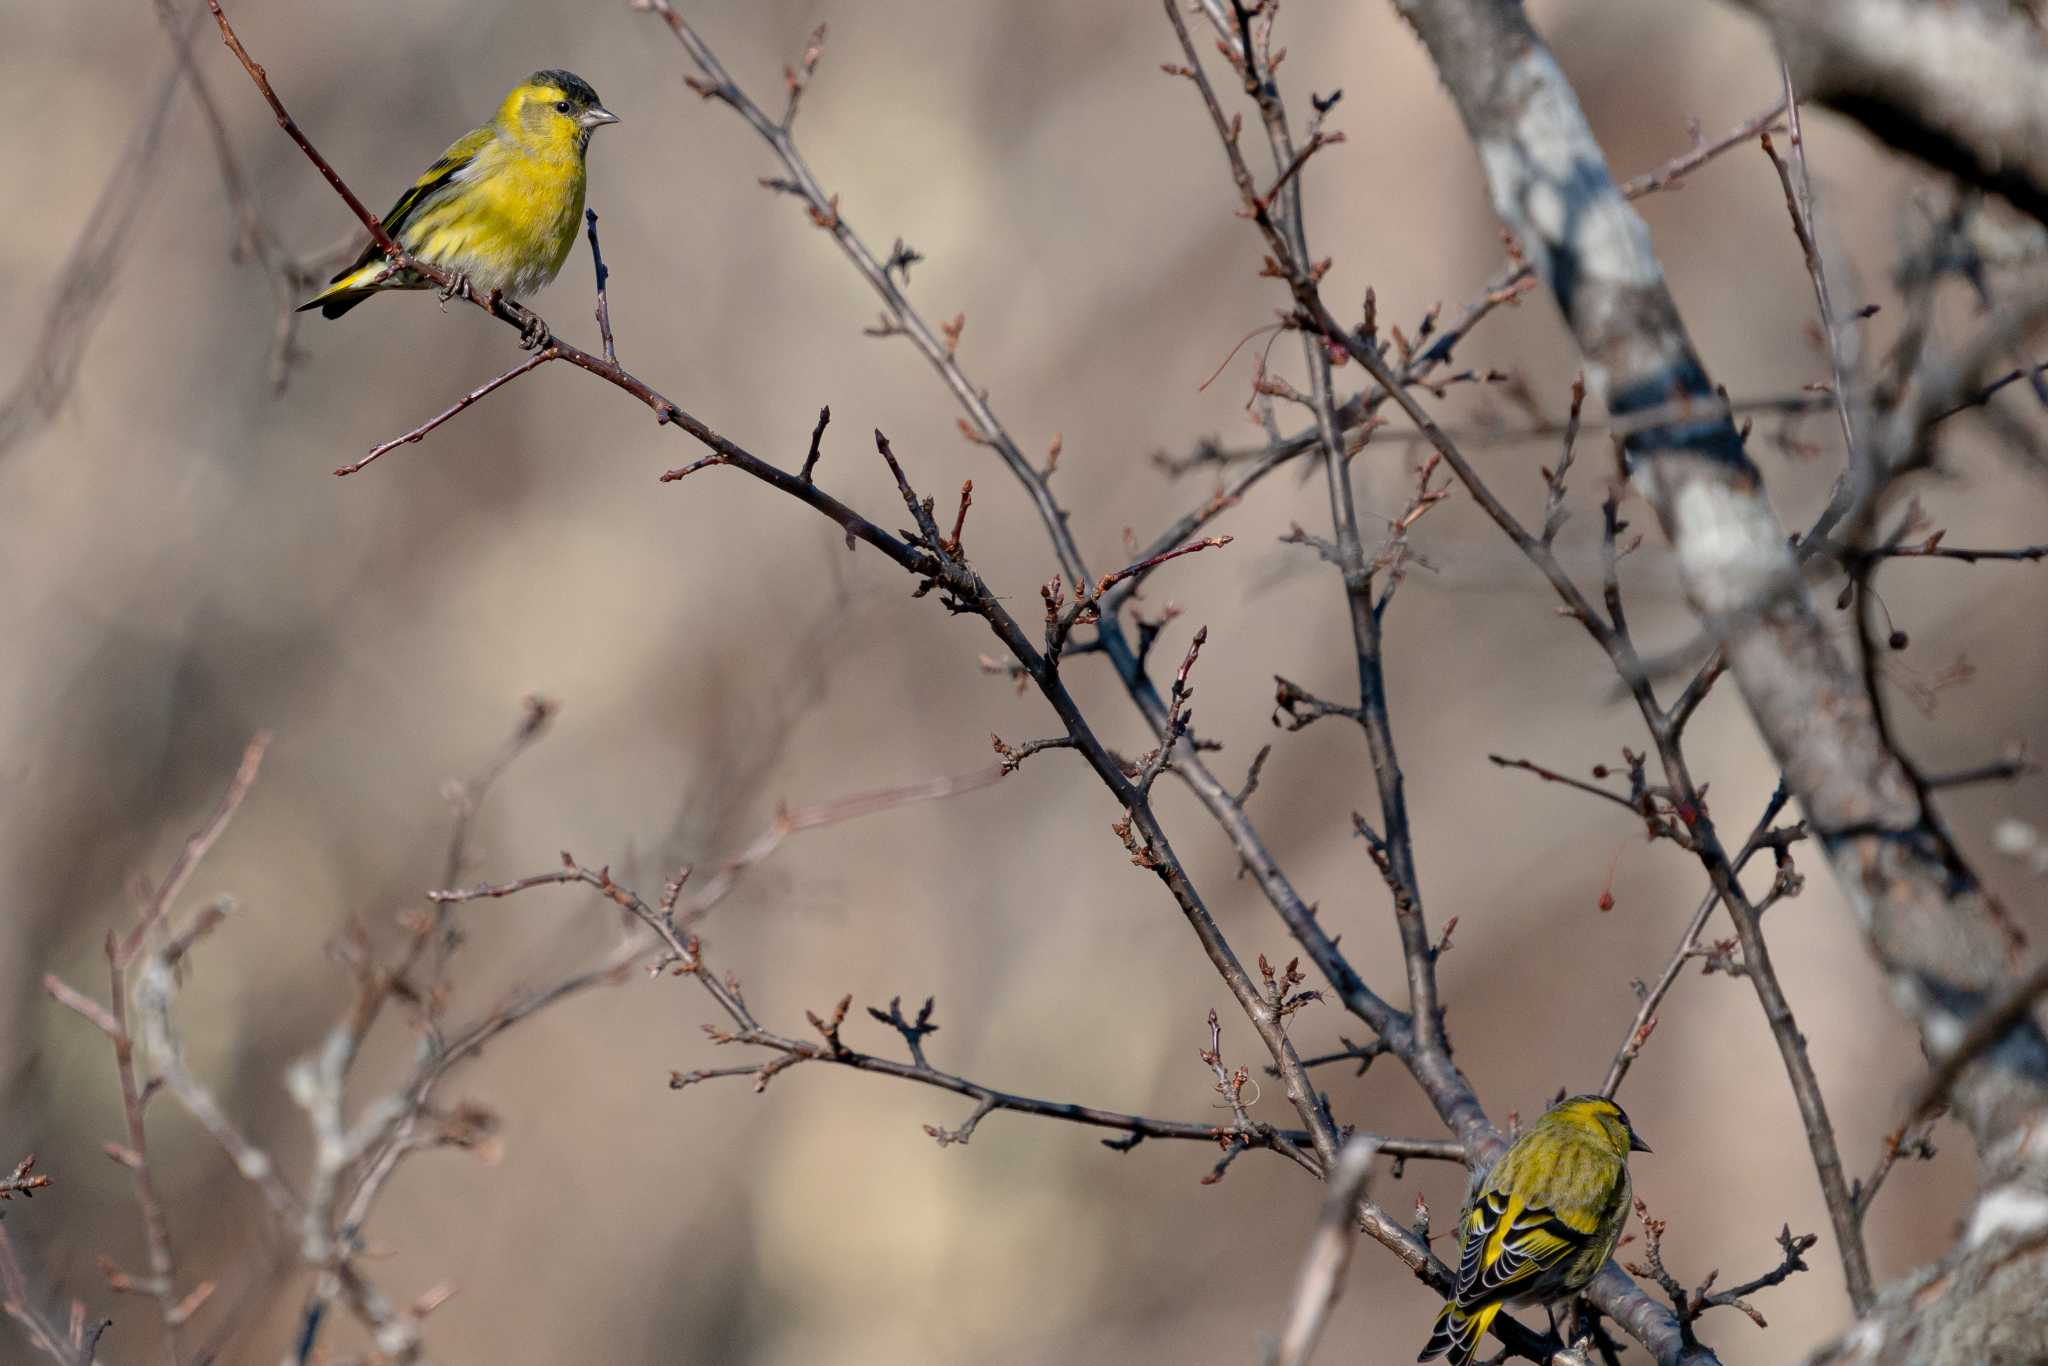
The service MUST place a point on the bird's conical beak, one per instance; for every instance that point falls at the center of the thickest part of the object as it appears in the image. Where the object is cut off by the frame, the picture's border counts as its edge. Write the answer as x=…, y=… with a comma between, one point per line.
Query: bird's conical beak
x=1636, y=1144
x=596, y=116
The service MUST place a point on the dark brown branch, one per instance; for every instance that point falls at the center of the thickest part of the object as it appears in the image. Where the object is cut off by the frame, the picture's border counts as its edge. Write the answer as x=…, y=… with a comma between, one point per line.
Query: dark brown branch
x=1612, y=636
x=1296, y=708
x=1932, y=549
x=716, y=83
x=1690, y=1304
x=1419, y=1044
x=1551, y=776
x=604, y=306
x=285, y=121
x=1424, y=1048
x=983, y=426
x=990, y=1100
x=817, y=436
x=1362, y=1054
x=529, y=324
x=831, y=1050
x=1997, y=771
x=1645, y=1020
x=966, y=592
x=1506, y=286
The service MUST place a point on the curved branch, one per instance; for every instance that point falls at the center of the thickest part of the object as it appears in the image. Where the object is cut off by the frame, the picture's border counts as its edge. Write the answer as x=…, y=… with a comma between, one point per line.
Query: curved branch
x=1961, y=87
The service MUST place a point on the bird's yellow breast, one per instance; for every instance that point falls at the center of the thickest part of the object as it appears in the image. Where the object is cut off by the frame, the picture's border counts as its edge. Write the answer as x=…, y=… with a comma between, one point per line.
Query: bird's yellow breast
x=508, y=220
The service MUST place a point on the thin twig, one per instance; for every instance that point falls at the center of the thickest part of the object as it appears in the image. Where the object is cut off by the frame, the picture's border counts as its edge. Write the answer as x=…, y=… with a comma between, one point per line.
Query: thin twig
x=482, y=391
x=1645, y=1020
x=196, y=848
x=604, y=306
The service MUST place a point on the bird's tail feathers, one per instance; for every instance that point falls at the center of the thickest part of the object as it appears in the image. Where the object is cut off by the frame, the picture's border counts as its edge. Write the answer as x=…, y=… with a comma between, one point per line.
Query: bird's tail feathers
x=1458, y=1333
x=350, y=288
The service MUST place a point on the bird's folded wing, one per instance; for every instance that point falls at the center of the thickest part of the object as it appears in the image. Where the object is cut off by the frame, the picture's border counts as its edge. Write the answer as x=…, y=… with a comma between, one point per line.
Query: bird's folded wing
x=450, y=165
x=1509, y=1244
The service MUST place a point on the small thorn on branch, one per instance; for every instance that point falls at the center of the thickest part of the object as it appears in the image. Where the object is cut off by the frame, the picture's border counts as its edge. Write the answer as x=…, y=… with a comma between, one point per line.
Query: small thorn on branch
x=950, y=546
x=1363, y=1054
x=817, y=436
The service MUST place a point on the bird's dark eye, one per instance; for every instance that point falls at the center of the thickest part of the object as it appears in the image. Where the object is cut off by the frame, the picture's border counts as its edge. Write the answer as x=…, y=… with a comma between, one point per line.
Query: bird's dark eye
x=561, y=106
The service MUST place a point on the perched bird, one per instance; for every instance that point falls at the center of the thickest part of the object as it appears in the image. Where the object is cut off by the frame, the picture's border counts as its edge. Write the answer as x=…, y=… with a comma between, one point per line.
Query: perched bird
x=500, y=209
x=1537, y=1228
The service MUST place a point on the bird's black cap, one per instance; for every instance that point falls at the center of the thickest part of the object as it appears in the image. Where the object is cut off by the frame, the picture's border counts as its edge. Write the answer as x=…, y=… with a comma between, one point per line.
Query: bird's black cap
x=568, y=82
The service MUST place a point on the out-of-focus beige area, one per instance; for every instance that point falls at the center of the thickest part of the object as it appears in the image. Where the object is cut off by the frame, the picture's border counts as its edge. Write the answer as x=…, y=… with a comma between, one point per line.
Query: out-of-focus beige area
x=178, y=568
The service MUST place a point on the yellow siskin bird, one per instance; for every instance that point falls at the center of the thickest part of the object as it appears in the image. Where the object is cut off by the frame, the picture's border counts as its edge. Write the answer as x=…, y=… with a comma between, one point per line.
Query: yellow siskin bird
x=500, y=209
x=1539, y=1226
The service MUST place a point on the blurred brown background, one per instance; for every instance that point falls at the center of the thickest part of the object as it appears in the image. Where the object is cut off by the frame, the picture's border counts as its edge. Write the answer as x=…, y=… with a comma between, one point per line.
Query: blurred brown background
x=178, y=569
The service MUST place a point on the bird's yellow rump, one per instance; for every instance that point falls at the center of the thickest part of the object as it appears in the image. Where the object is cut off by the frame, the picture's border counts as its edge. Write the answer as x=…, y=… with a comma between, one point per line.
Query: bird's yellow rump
x=499, y=209
x=1539, y=1226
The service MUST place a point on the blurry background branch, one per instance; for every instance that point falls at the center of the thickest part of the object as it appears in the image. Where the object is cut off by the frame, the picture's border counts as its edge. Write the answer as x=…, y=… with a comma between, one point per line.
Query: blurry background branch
x=1963, y=87
x=1104, y=284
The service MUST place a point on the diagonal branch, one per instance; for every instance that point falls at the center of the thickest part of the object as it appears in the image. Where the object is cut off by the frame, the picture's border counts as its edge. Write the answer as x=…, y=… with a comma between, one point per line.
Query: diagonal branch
x=1962, y=87
x=1926, y=918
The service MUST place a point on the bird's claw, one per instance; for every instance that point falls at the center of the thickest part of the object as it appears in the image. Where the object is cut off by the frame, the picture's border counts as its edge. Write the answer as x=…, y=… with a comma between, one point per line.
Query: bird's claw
x=458, y=288
x=533, y=330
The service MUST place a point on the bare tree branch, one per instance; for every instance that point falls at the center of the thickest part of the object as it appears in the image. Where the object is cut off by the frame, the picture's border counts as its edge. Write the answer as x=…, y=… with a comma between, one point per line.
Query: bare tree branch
x=1962, y=87
x=1926, y=918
